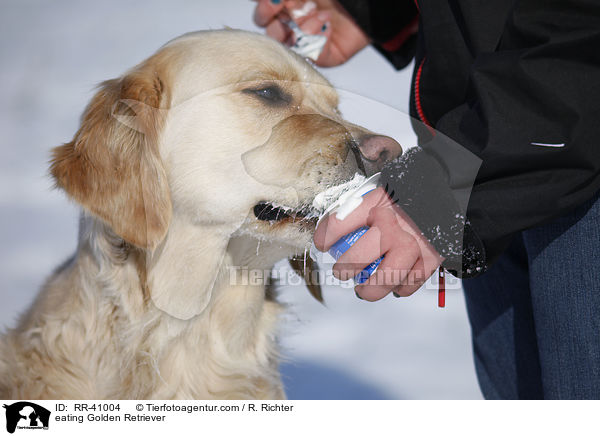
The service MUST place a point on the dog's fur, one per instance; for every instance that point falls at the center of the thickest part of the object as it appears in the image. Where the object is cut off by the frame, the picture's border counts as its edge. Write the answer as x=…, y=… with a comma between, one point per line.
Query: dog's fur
x=168, y=163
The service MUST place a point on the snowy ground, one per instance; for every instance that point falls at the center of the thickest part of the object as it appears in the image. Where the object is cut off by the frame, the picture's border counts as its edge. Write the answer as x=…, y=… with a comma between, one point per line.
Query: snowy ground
x=53, y=53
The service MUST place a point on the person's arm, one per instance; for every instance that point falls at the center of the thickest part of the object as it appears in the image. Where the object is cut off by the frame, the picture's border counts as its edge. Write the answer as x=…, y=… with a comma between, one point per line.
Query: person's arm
x=531, y=118
x=349, y=25
x=344, y=37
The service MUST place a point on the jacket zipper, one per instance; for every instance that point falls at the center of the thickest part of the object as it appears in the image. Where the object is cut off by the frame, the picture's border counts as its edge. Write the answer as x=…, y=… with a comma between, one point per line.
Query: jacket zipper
x=424, y=120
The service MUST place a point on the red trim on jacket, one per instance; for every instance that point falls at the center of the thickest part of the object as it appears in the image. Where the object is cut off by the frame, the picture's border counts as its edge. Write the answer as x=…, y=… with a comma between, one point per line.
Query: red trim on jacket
x=418, y=105
x=397, y=41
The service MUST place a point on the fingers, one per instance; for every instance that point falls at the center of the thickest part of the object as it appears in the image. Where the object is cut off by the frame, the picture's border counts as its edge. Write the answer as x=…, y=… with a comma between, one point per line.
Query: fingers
x=393, y=269
x=319, y=24
x=365, y=251
x=408, y=258
x=279, y=31
x=266, y=10
x=414, y=280
x=272, y=15
x=330, y=229
x=375, y=243
x=315, y=23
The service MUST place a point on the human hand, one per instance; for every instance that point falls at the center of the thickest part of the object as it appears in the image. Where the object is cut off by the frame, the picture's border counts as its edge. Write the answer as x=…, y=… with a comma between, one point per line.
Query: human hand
x=344, y=37
x=409, y=259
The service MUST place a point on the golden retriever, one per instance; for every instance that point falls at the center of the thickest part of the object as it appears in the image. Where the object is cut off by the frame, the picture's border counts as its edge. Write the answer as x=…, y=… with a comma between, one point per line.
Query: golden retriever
x=183, y=166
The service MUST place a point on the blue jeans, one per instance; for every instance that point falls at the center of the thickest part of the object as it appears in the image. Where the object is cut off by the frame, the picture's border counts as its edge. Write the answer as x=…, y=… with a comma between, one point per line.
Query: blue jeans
x=535, y=314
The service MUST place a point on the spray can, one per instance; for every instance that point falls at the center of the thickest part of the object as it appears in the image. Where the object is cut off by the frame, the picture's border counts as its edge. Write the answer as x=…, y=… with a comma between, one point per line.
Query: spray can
x=343, y=207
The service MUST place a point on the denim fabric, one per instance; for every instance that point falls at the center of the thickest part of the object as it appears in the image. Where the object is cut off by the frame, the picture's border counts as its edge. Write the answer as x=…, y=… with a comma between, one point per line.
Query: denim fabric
x=535, y=314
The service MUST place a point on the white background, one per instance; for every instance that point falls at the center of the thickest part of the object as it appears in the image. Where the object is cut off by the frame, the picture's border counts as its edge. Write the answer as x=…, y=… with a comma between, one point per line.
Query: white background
x=465, y=418
x=52, y=54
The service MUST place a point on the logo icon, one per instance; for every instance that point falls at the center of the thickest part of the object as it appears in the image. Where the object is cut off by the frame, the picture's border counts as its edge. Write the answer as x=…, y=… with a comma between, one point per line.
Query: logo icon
x=26, y=415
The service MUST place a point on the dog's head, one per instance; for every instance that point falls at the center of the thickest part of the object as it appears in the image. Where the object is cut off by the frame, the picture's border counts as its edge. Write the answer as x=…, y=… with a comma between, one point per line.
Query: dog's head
x=224, y=128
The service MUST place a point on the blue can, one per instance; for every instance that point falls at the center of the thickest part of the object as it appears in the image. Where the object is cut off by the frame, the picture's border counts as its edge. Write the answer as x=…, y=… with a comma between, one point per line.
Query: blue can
x=347, y=241
x=344, y=244
x=341, y=246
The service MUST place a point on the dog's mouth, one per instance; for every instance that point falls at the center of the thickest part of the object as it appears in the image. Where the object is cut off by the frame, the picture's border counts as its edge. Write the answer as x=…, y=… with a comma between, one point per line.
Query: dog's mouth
x=271, y=212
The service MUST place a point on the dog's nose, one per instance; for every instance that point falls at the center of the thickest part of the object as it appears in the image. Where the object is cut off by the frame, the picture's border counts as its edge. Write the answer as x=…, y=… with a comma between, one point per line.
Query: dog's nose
x=376, y=150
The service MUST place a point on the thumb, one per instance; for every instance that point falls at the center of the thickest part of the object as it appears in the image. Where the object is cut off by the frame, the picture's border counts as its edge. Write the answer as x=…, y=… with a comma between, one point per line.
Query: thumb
x=266, y=10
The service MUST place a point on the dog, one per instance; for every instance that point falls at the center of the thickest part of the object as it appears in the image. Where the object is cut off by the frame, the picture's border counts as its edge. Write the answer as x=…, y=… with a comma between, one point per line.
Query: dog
x=194, y=167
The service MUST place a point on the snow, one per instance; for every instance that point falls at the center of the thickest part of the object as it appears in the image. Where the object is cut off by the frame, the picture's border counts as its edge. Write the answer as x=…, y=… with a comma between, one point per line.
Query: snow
x=53, y=54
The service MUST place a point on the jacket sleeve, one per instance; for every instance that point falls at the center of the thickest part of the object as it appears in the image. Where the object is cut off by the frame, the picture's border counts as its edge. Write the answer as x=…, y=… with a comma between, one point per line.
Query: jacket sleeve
x=531, y=116
x=391, y=24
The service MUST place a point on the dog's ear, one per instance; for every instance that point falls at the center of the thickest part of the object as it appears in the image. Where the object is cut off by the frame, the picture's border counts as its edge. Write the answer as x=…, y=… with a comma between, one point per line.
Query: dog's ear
x=308, y=269
x=113, y=167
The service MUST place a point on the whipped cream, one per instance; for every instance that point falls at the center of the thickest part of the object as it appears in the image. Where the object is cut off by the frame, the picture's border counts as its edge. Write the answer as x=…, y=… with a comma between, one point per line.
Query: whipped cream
x=328, y=197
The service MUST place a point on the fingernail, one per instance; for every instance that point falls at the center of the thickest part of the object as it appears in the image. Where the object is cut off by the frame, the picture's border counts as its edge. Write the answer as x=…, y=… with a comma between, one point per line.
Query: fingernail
x=275, y=2
x=357, y=296
x=396, y=295
x=324, y=28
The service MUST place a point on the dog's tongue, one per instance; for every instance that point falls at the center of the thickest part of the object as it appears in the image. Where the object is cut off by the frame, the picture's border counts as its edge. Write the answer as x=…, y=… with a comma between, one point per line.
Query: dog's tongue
x=268, y=212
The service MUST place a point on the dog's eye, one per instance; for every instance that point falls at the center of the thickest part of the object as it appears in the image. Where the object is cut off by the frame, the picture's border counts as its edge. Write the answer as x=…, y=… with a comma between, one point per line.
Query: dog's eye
x=271, y=94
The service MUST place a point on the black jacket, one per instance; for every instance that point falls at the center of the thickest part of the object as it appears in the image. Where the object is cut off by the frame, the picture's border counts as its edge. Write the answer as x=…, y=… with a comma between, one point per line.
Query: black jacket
x=514, y=82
